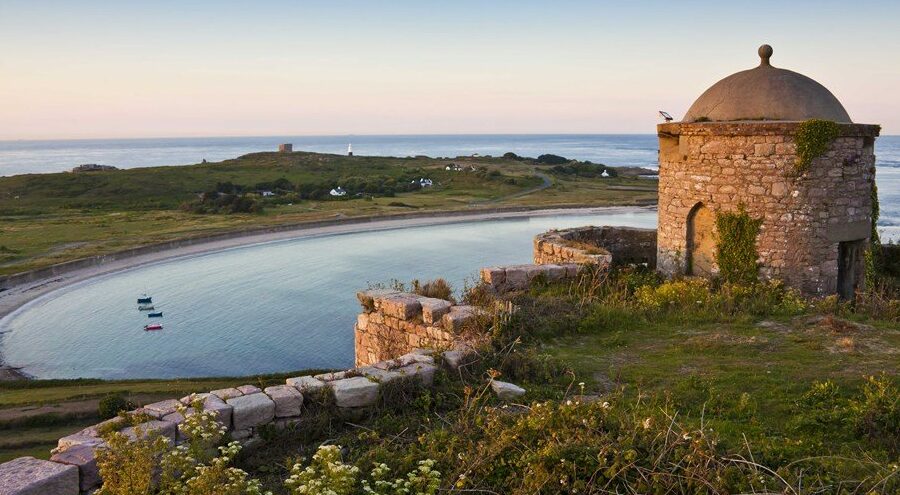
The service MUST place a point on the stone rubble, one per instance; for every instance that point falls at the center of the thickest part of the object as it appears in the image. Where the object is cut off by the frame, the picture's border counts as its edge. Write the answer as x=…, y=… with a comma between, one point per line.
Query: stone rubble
x=506, y=390
x=252, y=410
x=30, y=476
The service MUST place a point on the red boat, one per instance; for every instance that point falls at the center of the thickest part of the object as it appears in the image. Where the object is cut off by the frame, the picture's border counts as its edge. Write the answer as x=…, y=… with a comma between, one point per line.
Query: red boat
x=154, y=326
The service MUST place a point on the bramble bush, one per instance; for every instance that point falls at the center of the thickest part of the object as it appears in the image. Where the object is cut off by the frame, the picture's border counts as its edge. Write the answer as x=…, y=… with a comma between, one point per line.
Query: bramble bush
x=111, y=405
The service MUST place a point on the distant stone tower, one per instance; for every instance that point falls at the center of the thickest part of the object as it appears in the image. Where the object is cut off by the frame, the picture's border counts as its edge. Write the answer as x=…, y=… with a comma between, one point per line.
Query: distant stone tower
x=737, y=147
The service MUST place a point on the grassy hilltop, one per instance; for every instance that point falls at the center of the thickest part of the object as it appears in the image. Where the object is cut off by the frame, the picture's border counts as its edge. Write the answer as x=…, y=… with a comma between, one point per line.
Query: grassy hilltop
x=51, y=218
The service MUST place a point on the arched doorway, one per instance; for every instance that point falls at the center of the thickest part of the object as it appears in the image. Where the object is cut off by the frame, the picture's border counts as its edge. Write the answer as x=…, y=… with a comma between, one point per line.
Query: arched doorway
x=701, y=241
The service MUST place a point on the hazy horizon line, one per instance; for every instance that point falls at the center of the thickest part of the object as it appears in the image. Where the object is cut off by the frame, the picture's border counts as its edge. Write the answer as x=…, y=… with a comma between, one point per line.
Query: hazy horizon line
x=232, y=136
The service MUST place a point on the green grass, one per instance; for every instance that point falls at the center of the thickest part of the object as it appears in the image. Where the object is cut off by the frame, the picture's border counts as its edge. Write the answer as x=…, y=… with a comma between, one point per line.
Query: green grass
x=52, y=218
x=717, y=363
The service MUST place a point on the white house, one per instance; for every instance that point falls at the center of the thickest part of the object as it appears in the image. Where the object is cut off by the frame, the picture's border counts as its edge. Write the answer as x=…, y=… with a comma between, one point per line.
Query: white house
x=453, y=167
x=267, y=194
x=604, y=174
x=422, y=182
x=338, y=191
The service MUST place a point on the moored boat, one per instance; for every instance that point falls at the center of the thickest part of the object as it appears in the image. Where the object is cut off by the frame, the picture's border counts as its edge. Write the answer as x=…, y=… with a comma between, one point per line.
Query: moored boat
x=145, y=300
x=154, y=315
x=146, y=307
x=153, y=326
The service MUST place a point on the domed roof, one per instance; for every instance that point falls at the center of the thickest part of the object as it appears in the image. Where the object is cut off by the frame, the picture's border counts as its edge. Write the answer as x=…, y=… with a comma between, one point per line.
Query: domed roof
x=766, y=93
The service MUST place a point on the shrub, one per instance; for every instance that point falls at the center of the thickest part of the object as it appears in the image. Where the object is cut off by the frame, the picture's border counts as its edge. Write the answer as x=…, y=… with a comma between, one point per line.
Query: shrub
x=677, y=294
x=197, y=467
x=325, y=475
x=877, y=411
x=820, y=407
x=328, y=475
x=549, y=159
x=127, y=467
x=111, y=405
x=437, y=288
x=424, y=480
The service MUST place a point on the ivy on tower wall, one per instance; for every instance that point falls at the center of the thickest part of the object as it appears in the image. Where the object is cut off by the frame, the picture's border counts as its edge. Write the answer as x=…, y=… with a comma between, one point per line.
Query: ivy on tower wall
x=736, y=252
x=812, y=139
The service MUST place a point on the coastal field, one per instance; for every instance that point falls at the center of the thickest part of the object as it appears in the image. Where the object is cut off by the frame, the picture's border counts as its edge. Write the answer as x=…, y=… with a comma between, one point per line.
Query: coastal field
x=52, y=218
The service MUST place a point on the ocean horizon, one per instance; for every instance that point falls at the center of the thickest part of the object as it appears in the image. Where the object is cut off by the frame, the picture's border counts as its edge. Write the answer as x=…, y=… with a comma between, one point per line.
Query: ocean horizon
x=43, y=156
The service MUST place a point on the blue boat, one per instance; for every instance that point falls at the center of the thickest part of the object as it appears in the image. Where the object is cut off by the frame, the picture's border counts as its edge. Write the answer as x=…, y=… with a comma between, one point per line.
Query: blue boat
x=154, y=315
x=145, y=300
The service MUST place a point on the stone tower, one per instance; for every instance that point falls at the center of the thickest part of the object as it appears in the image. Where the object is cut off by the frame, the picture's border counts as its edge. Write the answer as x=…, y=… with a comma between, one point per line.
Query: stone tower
x=737, y=148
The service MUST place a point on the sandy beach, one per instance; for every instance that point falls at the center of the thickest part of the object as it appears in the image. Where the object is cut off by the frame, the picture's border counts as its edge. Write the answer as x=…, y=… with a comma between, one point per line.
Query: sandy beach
x=16, y=296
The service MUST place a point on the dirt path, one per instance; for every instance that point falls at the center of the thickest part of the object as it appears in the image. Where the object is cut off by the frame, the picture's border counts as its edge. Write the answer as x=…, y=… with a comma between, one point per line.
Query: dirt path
x=547, y=182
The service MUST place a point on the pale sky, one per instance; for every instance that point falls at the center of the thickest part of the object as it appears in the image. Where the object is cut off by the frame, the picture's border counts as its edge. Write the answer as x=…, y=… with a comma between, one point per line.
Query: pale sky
x=92, y=69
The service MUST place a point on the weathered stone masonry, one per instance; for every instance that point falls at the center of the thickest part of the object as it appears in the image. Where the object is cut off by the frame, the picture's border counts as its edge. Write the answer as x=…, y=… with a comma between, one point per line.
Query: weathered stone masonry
x=244, y=411
x=721, y=166
x=597, y=245
x=393, y=323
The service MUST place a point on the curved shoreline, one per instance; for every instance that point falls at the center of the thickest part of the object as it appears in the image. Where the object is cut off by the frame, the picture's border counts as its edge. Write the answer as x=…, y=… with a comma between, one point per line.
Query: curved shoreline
x=29, y=286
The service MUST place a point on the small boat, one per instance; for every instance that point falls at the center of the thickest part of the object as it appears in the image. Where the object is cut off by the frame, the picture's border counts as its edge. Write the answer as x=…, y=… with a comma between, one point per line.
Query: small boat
x=153, y=326
x=146, y=307
x=154, y=315
x=145, y=300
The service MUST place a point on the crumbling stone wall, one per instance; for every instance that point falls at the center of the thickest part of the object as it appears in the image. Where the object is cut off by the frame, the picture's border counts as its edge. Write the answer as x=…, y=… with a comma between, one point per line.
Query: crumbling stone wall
x=393, y=323
x=597, y=245
x=244, y=411
x=721, y=166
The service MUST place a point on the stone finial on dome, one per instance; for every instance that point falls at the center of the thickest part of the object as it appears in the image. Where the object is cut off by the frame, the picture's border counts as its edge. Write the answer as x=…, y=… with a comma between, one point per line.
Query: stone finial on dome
x=766, y=93
x=765, y=53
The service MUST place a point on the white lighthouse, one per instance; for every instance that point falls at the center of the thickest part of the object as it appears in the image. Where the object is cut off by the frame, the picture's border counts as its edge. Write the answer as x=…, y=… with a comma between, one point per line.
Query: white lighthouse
x=350, y=149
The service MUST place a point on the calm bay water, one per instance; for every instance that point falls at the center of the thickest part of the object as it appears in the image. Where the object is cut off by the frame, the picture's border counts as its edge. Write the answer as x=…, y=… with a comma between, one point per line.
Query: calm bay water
x=279, y=306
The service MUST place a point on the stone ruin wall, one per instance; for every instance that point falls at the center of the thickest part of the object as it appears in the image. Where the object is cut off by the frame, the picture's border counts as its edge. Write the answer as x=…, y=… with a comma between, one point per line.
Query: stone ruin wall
x=724, y=165
x=602, y=246
x=244, y=411
x=393, y=323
